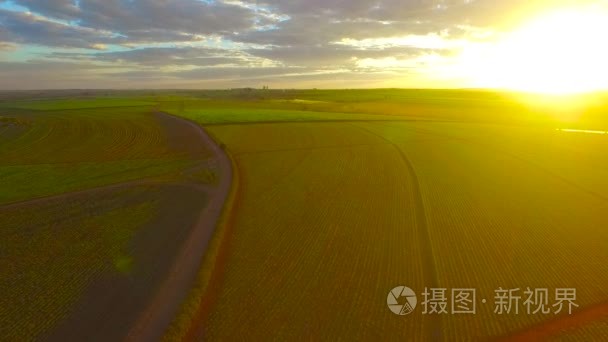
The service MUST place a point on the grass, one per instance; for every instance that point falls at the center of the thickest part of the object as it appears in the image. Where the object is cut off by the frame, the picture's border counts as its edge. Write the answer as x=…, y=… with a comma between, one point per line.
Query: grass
x=89, y=135
x=33, y=181
x=63, y=151
x=392, y=104
x=76, y=103
x=222, y=113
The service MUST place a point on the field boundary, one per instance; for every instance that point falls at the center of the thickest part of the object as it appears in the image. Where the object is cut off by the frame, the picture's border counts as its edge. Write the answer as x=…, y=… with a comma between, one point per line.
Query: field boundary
x=169, y=298
x=193, y=309
x=189, y=323
x=559, y=325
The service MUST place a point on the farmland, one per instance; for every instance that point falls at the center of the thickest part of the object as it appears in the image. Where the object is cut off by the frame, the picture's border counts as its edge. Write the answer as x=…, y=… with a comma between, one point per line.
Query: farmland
x=339, y=196
x=334, y=214
x=99, y=198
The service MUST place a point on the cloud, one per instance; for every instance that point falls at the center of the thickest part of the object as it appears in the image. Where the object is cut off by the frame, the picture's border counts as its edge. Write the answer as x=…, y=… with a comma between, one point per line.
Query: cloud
x=4, y=46
x=334, y=56
x=432, y=12
x=149, y=20
x=162, y=56
x=37, y=74
x=219, y=42
x=303, y=22
x=238, y=73
x=27, y=28
x=315, y=30
x=61, y=9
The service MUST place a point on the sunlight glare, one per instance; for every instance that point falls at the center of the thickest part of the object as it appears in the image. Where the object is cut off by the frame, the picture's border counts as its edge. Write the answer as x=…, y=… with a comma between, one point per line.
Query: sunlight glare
x=562, y=52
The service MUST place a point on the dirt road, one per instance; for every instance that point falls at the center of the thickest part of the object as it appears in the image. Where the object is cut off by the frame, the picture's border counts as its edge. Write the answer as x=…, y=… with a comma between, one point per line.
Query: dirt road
x=164, y=306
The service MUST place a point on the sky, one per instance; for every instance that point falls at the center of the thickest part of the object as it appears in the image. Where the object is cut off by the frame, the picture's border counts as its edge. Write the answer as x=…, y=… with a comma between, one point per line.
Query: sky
x=48, y=44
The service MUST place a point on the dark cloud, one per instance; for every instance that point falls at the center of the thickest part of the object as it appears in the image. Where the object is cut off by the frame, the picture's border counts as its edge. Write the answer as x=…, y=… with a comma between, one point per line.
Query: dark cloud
x=61, y=9
x=316, y=31
x=137, y=17
x=26, y=28
x=147, y=20
x=311, y=23
x=308, y=21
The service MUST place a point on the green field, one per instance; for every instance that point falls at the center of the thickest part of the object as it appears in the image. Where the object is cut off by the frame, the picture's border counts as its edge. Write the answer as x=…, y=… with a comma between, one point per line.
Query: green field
x=76, y=103
x=340, y=200
x=342, y=195
x=89, y=188
x=66, y=247
x=33, y=181
x=391, y=104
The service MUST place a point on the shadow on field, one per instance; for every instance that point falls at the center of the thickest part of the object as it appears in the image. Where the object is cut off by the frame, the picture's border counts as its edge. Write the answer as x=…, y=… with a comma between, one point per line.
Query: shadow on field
x=112, y=303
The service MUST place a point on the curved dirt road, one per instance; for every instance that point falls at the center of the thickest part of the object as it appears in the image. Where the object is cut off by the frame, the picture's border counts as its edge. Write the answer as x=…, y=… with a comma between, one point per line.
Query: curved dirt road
x=162, y=309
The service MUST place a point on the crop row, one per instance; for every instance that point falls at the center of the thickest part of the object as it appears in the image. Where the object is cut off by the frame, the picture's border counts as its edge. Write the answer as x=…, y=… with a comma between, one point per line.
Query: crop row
x=498, y=218
x=321, y=236
x=329, y=213
x=51, y=254
x=88, y=135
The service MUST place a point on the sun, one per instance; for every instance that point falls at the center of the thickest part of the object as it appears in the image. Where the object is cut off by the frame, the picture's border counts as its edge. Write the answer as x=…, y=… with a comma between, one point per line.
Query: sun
x=561, y=52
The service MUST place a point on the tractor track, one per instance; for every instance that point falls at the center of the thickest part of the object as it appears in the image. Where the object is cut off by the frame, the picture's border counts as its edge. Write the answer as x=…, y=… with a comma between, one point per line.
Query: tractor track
x=430, y=269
